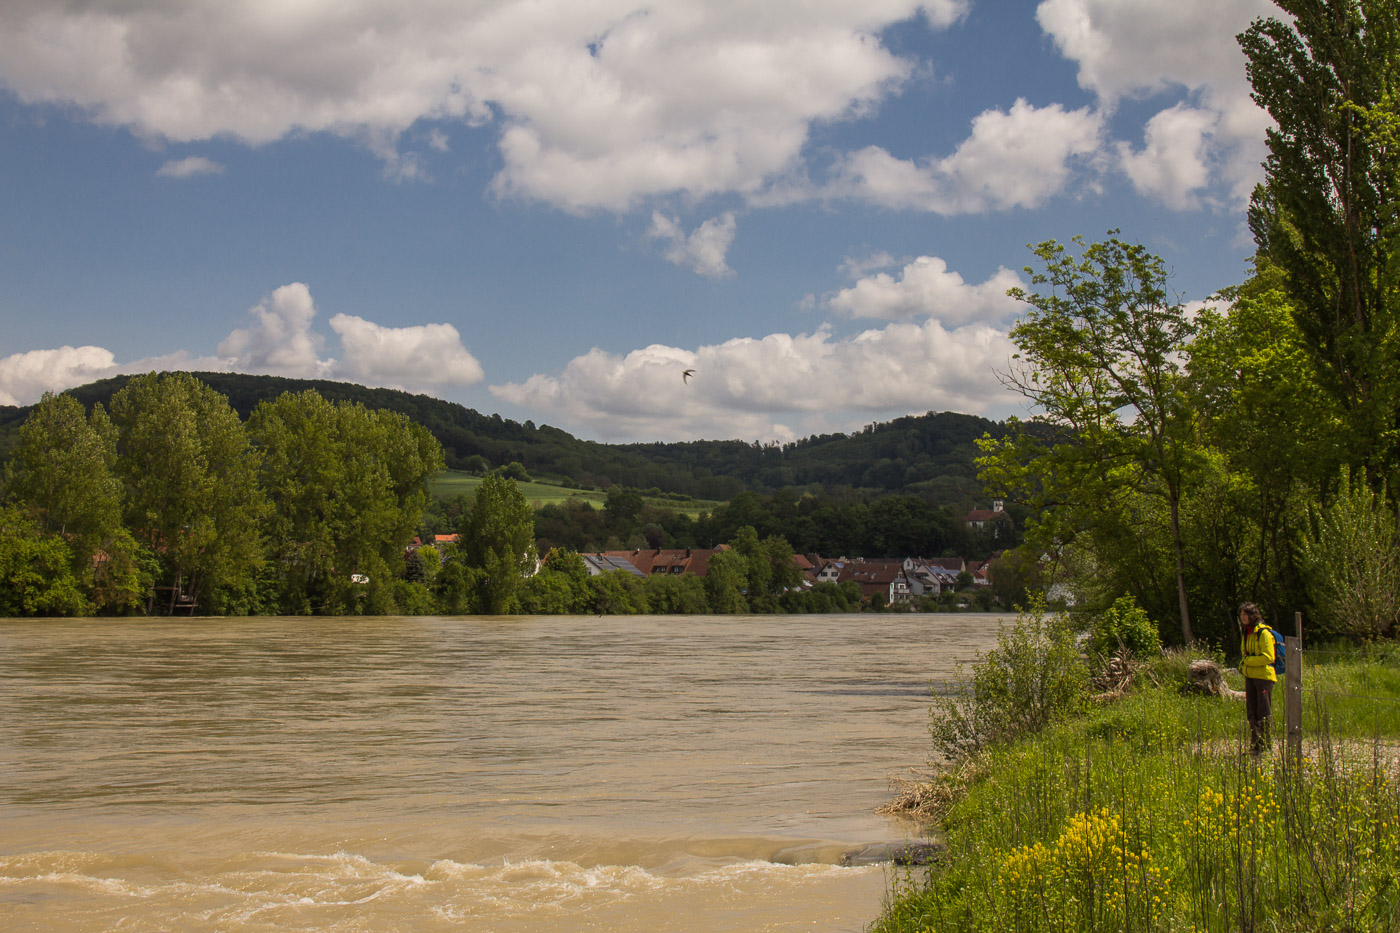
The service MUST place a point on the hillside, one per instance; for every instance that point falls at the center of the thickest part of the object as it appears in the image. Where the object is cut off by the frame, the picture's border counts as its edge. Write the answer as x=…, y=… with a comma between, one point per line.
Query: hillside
x=929, y=454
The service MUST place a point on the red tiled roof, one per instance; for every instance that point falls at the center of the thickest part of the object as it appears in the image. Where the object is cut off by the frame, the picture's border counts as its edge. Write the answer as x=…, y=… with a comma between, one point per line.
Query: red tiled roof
x=694, y=560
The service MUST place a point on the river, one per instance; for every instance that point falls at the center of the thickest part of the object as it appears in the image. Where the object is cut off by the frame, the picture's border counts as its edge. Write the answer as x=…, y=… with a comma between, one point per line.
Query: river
x=623, y=773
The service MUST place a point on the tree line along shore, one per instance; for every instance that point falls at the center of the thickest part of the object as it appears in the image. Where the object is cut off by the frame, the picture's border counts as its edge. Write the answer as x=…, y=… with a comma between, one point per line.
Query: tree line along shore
x=166, y=501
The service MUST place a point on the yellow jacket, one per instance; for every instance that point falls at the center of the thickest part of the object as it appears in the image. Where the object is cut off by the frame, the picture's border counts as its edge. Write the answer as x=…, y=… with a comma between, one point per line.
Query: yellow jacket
x=1257, y=649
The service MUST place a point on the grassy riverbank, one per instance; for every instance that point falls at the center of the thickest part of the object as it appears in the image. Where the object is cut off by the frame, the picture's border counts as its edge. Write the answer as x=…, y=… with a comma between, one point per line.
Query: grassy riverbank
x=1146, y=813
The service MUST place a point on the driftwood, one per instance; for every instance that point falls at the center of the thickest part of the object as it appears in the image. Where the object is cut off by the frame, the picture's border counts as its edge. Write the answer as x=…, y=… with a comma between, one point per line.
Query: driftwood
x=1204, y=678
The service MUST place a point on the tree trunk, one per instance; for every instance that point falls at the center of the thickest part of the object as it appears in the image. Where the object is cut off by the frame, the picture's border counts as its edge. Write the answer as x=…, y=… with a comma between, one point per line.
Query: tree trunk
x=1180, y=571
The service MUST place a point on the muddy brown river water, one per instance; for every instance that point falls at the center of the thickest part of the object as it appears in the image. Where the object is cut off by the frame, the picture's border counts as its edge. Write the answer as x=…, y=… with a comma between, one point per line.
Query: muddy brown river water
x=700, y=773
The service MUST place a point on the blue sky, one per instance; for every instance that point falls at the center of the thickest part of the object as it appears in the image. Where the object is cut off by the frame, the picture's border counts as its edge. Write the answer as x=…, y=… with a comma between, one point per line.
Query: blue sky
x=550, y=209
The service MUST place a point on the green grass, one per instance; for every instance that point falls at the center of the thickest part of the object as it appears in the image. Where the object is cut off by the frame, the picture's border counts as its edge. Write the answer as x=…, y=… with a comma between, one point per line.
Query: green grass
x=1148, y=814
x=453, y=483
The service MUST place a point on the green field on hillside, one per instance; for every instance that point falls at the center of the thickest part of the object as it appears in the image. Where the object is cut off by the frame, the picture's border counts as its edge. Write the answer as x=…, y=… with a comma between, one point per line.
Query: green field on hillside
x=455, y=482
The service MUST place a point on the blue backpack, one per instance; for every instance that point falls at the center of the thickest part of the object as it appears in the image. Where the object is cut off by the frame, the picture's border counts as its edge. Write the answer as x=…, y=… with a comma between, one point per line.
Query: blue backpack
x=1279, y=650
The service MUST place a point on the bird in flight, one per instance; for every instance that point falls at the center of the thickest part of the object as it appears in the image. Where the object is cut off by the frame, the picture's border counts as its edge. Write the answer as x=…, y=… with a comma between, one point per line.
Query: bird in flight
x=685, y=376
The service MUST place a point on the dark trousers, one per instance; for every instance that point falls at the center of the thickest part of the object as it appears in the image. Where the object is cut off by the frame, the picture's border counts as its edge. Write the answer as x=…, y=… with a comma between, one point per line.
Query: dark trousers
x=1258, y=705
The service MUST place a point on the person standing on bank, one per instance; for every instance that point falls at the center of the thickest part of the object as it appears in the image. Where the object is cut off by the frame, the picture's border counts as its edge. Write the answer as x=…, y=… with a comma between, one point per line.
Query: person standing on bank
x=1257, y=666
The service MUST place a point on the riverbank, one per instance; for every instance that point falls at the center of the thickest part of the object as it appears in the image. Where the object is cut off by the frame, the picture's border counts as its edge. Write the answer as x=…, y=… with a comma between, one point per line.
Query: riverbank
x=1147, y=813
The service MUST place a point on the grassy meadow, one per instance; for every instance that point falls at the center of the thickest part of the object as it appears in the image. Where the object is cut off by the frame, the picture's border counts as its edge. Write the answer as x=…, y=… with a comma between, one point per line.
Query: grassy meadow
x=452, y=483
x=1147, y=813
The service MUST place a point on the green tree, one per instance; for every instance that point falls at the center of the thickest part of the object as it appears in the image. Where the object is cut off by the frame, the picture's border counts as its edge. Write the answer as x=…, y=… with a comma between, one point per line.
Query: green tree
x=617, y=592
x=36, y=572
x=1017, y=577
x=1324, y=214
x=62, y=468
x=348, y=487
x=725, y=579
x=1280, y=435
x=190, y=479
x=1352, y=560
x=676, y=594
x=1100, y=354
x=560, y=588
x=498, y=540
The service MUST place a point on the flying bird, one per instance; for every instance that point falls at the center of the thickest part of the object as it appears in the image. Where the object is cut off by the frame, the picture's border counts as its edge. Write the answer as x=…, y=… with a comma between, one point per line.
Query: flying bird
x=685, y=376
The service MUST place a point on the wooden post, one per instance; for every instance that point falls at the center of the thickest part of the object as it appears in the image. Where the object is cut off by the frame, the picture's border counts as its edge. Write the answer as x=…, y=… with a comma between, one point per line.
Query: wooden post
x=1293, y=694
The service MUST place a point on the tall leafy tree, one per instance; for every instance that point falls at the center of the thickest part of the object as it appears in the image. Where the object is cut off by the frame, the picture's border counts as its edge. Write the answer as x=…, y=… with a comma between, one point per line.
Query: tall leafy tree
x=348, y=487
x=1280, y=437
x=1100, y=357
x=190, y=479
x=1324, y=214
x=498, y=541
x=62, y=469
x=36, y=574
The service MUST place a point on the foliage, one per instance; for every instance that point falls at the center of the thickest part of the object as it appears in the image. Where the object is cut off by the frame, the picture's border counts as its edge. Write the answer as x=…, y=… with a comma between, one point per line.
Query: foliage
x=1274, y=437
x=725, y=578
x=1099, y=355
x=498, y=540
x=1033, y=677
x=1124, y=626
x=682, y=593
x=1323, y=216
x=62, y=469
x=617, y=592
x=1147, y=815
x=1352, y=561
x=929, y=455
x=1016, y=576
x=36, y=576
x=190, y=480
x=347, y=487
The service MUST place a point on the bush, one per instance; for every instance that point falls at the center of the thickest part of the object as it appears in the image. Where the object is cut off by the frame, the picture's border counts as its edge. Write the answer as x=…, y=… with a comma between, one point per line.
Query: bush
x=1352, y=561
x=1035, y=675
x=1124, y=626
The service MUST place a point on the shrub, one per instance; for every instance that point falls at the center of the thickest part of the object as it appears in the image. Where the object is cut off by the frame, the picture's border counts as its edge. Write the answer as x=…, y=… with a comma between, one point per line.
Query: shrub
x=1352, y=561
x=1035, y=675
x=1124, y=626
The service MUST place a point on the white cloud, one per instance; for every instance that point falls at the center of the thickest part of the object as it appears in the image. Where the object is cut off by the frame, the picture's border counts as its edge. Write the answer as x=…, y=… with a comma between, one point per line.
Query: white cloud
x=703, y=251
x=758, y=388
x=928, y=288
x=424, y=354
x=598, y=104
x=189, y=167
x=1174, y=165
x=24, y=377
x=857, y=266
x=280, y=342
x=1016, y=158
x=1140, y=48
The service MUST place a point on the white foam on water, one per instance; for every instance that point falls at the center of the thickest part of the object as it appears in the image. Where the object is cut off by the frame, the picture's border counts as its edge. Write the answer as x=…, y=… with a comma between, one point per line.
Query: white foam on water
x=256, y=892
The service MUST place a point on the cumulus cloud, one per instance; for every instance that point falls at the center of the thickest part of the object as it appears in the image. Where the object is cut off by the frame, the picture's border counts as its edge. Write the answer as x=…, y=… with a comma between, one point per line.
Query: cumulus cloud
x=24, y=377
x=926, y=287
x=1141, y=48
x=422, y=354
x=280, y=341
x=776, y=387
x=1174, y=165
x=1015, y=158
x=703, y=250
x=189, y=167
x=597, y=105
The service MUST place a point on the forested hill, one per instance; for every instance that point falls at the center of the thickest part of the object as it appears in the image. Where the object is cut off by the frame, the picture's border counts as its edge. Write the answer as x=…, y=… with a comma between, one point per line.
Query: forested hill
x=929, y=454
